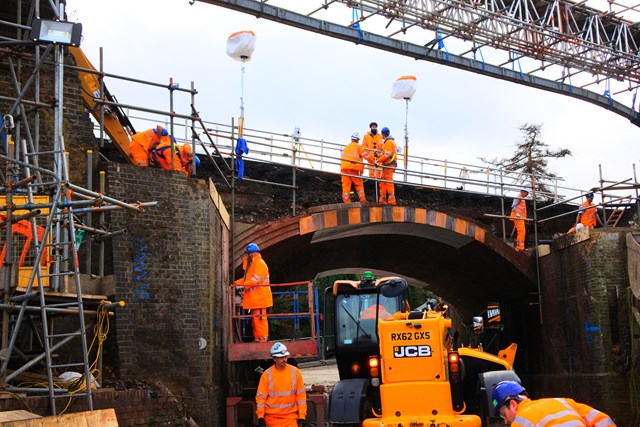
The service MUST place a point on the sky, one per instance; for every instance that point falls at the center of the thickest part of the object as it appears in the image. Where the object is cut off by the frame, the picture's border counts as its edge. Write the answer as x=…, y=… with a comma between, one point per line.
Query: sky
x=331, y=88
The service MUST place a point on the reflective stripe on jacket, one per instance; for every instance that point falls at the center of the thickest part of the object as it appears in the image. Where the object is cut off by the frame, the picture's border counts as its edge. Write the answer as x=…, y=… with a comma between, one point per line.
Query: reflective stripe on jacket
x=352, y=157
x=389, y=150
x=257, y=293
x=161, y=155
x=559, y=412
x=281, y=393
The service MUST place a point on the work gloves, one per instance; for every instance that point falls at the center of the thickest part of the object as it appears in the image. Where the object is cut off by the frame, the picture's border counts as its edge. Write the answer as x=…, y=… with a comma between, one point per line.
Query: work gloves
x=261, y=422
x=302, y=423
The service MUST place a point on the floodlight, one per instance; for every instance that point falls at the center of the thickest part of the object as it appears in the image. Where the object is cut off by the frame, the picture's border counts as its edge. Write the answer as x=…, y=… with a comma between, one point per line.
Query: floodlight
x=57, y=32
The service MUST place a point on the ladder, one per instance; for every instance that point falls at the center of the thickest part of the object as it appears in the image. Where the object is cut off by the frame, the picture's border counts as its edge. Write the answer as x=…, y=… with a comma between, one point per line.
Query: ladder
x=619, y=208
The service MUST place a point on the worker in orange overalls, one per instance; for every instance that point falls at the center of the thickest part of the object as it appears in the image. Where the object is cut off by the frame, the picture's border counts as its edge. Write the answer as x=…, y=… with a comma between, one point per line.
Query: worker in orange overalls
x=187, y=157
x=257, y=295
x=142, y=143
x=351, y=168
x=281, y=400
x=511, y=402
x=164, y=156
x=372, y=142
x=518, y=214
x=587, y=214
x=370, y=312
x=387, y=158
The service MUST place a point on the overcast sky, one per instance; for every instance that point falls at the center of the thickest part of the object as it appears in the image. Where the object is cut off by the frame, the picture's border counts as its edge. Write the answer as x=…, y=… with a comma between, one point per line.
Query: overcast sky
x=332, y=88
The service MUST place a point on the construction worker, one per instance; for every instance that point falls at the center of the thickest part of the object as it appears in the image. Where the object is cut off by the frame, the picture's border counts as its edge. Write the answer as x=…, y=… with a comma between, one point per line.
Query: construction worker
x=387, y=158
x=142, y=143
x=511, y=401
x=281, y=400
x=372, y=142
x=518, y=215
x=588, y=214
x=351, y=168
x=165, y=155
x=187, y=157
x=370, y=312
x=257, y=295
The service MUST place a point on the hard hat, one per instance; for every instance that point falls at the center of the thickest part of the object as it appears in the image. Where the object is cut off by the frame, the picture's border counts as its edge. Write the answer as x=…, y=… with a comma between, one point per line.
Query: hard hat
x=579, y=226
x=385, y=131
x=525, y=190
x=373, y=124
x=503, y=391
x=164, y=131
x=589, y=195
x=279, y=350
x=252, y=247
x=355, y=136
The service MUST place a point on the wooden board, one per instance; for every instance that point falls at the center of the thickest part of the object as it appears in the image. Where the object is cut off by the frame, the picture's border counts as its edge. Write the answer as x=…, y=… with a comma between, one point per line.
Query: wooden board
x=100, y=418
x=16, y=416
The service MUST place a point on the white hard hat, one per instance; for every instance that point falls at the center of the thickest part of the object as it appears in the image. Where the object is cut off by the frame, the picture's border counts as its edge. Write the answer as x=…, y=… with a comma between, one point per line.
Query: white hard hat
x=279, y=350
x=355, y=136
x=579, y=226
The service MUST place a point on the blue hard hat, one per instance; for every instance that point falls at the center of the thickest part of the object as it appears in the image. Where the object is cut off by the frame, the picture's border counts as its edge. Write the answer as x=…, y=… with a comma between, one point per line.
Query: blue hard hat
x=197, y=159
x=590, y=195
x=252, y=247
x=503, y=391
x=385, y=131
x=164, y=132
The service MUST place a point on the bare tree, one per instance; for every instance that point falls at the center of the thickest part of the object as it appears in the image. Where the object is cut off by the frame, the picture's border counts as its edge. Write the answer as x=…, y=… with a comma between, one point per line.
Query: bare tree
x=531, y=158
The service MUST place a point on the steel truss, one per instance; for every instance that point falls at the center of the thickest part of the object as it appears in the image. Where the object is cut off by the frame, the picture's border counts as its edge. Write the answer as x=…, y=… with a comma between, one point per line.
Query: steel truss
x=556, y=39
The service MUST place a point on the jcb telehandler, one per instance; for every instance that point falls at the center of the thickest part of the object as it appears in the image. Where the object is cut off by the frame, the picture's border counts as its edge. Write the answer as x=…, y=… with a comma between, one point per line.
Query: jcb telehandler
x=402, y=368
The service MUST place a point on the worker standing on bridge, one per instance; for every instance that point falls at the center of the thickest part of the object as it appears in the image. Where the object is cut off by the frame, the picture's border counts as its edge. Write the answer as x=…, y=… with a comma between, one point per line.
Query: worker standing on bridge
x=351, y=168
x=142, y=143
x=257, y=295
x=281, y=400
x=518, y=215
x=587, y=214
x=371, y=143
x=511, y=401
x=387, y=158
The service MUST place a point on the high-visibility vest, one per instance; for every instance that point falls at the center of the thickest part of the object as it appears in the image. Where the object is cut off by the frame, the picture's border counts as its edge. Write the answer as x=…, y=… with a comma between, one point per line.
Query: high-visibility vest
x=370, y=312
x=256, y=293
x=162, y=156
x=588, y=214
x=281, y=394
x=559, y=412
x=389, y=150
x=352, y=157
x=520, y=208
x=371, y=143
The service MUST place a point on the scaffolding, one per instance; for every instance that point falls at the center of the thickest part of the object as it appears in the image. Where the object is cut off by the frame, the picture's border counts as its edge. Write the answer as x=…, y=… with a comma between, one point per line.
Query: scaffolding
x=44, y=219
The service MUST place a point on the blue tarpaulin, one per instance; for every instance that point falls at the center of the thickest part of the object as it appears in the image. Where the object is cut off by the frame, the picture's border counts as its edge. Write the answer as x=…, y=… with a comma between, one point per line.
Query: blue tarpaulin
x=241, y=149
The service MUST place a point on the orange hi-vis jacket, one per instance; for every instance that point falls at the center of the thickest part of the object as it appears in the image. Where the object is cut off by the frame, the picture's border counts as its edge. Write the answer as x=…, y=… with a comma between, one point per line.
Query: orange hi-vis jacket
x=141, y=144
x=389, y=149
x=588, y=214
x=519, y=206
x=370, y=313
x=352, y=157
x=257, y=293
x=371, y=143
x=161, y=154
x=186, y=157
x=281, y=395
x=559, y=412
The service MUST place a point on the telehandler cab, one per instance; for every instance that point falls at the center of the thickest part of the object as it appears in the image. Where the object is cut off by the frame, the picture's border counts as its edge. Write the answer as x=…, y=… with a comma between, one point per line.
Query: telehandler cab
x=402, y=368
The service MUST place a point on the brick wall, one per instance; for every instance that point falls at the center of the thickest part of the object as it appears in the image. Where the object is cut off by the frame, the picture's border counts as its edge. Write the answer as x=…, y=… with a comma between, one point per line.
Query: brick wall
x=170, y=269
x=586, y=326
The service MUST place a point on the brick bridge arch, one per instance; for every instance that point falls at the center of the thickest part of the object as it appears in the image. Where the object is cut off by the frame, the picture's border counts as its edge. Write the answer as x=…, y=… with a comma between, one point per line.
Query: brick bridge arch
x=455, y=257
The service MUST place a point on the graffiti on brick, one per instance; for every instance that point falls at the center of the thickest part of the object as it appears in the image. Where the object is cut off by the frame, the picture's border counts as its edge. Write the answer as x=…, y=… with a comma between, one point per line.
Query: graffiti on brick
x=140, y=273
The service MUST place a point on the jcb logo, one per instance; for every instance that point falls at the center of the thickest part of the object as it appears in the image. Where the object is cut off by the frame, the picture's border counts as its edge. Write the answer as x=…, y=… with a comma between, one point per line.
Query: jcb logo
x=412, y=351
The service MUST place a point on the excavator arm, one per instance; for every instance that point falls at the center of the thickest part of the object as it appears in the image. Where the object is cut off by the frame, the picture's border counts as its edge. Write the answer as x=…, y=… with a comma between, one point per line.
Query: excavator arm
x=116, y=123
